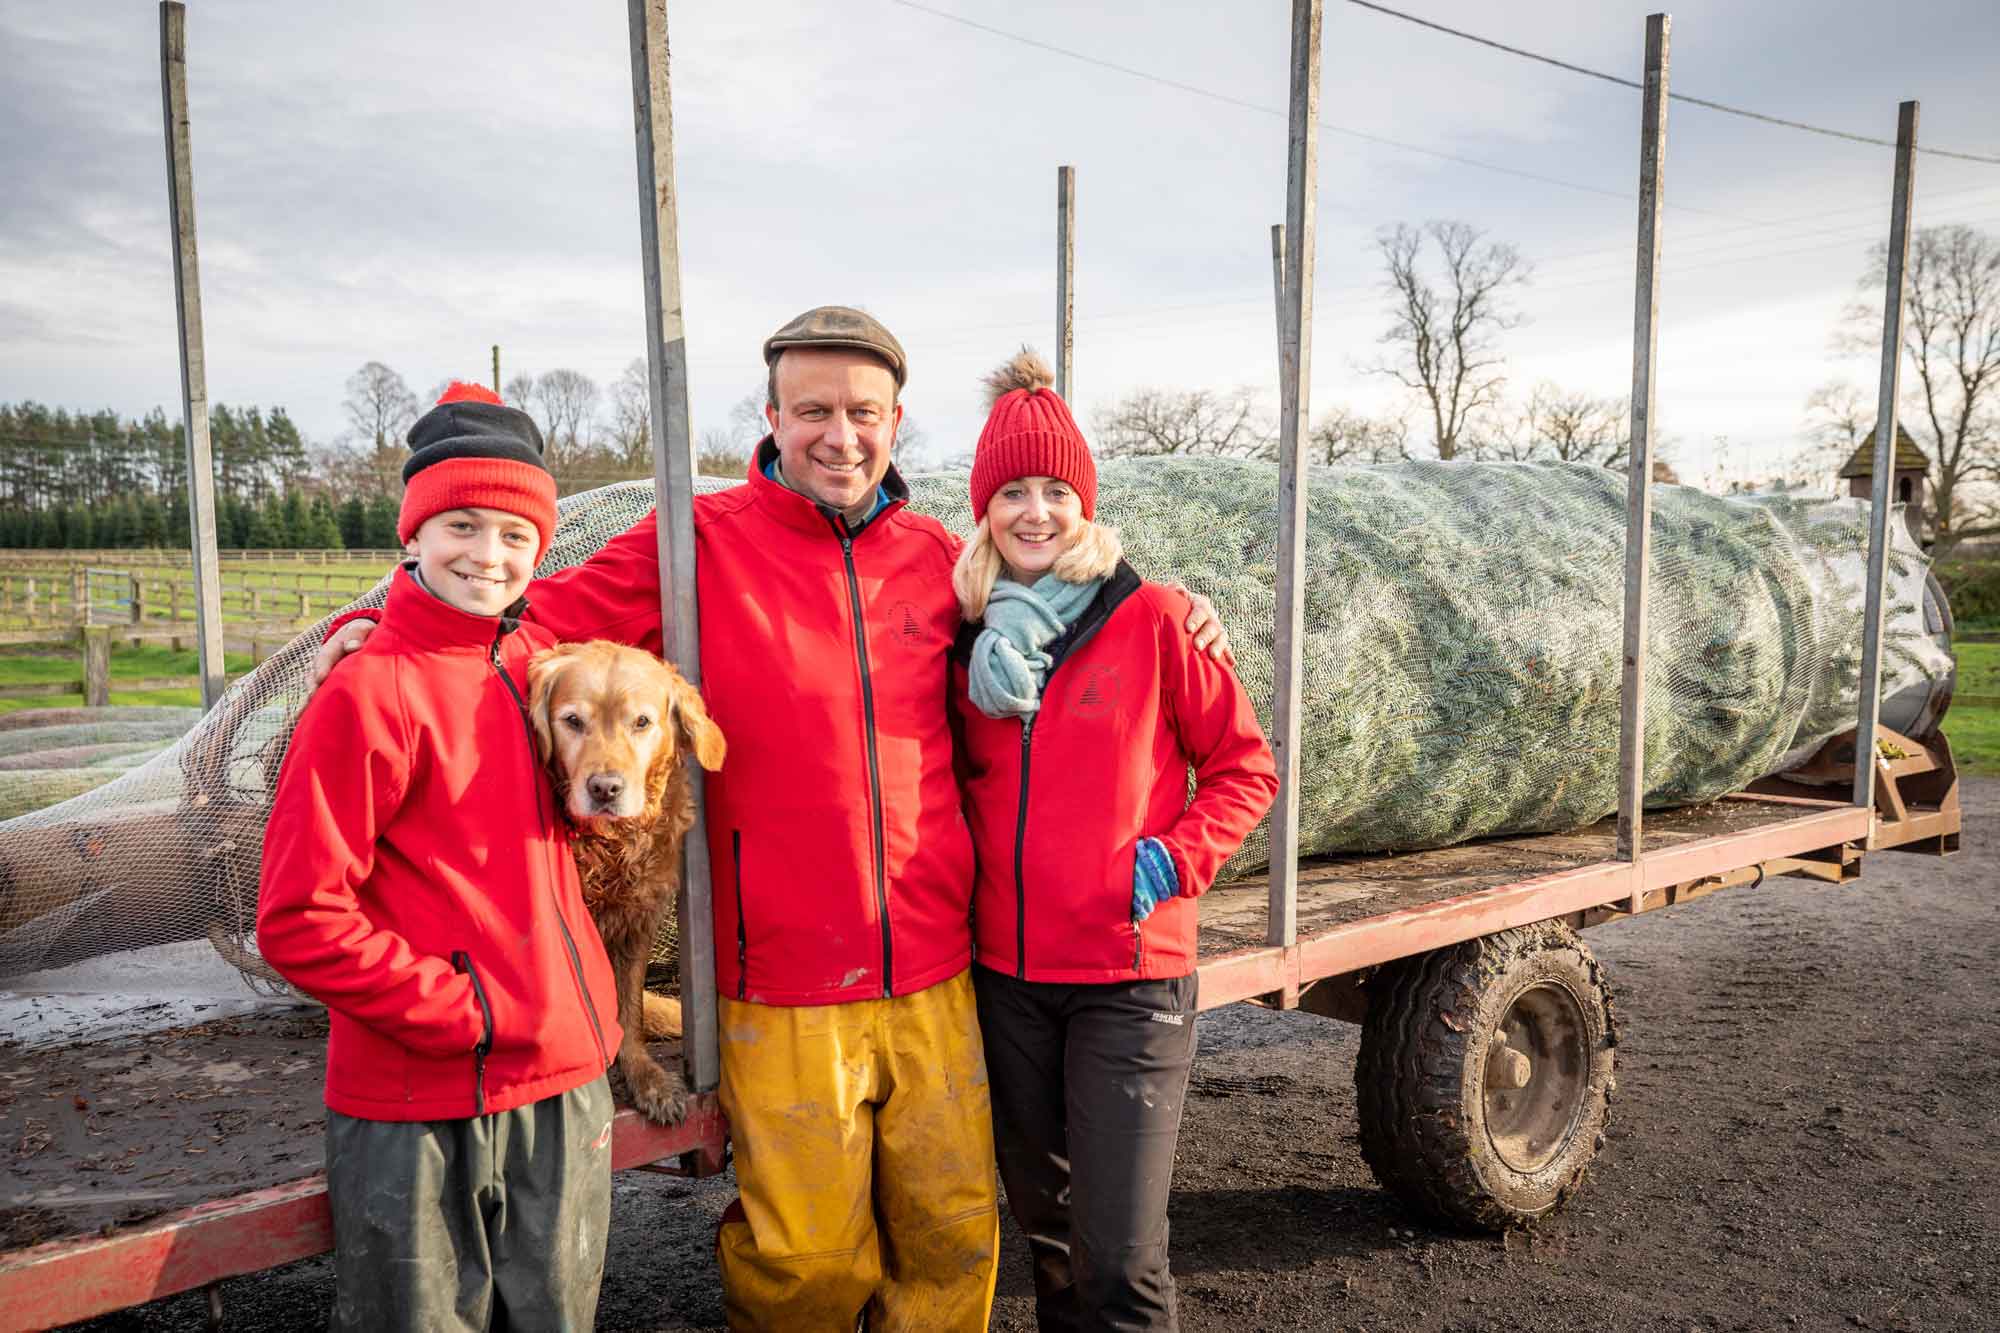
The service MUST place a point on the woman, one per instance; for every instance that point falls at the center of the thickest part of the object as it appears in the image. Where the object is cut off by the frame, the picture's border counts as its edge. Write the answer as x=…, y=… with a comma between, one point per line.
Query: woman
x=1083, y=708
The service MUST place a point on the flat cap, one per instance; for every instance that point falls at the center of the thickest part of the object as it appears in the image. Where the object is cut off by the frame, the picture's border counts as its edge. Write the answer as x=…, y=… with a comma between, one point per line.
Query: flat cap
x=840, y=326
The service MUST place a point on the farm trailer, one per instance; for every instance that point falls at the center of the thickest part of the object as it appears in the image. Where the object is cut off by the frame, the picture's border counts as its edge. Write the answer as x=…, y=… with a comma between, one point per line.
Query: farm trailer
x=1486, y=1062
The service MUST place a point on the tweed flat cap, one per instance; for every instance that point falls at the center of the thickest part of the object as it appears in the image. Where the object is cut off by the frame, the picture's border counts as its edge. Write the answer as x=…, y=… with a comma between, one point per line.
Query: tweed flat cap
x=840, y=326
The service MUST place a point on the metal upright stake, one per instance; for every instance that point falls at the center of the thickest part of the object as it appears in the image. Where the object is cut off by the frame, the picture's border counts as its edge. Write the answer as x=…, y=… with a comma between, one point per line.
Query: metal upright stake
x=194, y=364
x=673, y=479
x=1278, y=298
x=1885, y=455
x=1294, y=377
x=1065, y=280
x=1639, y=483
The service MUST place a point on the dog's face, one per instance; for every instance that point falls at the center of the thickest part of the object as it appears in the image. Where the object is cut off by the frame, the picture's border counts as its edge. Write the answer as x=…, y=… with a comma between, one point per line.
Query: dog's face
x=609, y=719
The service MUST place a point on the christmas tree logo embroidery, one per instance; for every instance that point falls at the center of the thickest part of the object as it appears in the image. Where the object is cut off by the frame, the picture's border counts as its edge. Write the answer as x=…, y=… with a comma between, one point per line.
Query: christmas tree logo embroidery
x=906, y=623
x=1099, y=692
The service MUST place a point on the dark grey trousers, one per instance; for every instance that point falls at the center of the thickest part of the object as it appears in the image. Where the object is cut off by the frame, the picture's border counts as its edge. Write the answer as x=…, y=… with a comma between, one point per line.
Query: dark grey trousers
x=491, y=1223
x=1088, y=1083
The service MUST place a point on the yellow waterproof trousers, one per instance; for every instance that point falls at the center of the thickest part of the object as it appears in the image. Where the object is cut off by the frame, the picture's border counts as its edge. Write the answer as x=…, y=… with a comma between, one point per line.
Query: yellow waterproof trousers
x=864, y=1159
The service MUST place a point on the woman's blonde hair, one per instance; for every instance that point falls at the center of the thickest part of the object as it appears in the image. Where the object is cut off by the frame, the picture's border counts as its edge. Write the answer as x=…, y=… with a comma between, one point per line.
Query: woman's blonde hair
x=1094, y=554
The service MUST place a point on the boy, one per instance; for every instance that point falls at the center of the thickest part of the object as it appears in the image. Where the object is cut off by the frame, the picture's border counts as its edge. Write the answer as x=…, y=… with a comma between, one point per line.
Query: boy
x=417, y=880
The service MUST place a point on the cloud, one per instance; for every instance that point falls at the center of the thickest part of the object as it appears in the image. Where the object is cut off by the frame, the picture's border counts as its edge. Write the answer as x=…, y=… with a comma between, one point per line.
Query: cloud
x=390, y=181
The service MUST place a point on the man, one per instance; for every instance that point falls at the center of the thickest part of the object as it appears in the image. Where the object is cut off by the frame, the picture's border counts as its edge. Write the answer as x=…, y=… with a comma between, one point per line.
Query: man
x=852, y=1073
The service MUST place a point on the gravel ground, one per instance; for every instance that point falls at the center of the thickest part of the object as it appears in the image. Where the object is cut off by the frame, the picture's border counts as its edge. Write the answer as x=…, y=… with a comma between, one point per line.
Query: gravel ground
x=1808, y=1080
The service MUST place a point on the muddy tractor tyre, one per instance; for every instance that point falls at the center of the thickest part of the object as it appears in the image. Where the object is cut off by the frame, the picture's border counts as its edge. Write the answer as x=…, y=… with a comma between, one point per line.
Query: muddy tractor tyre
x=1485, y=1076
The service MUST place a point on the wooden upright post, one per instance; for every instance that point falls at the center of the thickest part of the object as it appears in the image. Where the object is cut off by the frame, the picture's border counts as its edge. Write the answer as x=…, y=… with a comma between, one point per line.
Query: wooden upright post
x=1639, y=477
x=96, y=666
x=1065, y=281
x=1295, y=379
x=496, y=367
x=673, y=476
x=1889, y=390
x=194, y=366
x=1278, y=298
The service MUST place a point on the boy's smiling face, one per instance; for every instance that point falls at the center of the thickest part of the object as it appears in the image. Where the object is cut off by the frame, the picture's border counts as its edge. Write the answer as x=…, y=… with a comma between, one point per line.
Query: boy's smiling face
x=478, y=560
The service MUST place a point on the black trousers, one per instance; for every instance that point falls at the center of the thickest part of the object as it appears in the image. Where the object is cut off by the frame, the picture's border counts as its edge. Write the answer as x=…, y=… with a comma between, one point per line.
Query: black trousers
x=495, y=1222
x=1088, y=1083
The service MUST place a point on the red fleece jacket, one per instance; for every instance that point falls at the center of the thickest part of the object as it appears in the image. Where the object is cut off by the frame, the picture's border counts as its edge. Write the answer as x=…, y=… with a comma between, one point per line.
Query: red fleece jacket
x=417, y=880
x=1058, y=805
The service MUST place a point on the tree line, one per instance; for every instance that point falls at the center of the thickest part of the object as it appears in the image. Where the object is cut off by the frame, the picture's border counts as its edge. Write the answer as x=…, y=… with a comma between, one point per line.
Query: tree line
x=1450, y=296
x=85, y=481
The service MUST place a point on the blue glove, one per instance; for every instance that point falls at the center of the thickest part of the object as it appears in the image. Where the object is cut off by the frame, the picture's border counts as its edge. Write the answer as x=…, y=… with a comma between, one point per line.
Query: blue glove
x=1153, y=878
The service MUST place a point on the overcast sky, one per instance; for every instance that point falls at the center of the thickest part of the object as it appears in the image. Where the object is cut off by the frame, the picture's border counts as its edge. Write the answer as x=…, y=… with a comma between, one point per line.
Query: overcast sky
x=412, y=183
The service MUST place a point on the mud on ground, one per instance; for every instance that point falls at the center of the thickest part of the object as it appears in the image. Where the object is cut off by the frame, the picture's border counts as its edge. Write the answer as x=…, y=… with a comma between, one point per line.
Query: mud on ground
x=1803, y=1137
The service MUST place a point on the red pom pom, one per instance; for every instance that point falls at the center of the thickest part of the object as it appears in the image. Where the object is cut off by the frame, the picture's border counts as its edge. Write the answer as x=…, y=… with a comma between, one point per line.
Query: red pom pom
x=458, y=391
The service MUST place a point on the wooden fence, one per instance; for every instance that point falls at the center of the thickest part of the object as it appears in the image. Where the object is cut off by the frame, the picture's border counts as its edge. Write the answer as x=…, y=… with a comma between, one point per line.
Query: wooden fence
x=150, y=602
x=147, y=555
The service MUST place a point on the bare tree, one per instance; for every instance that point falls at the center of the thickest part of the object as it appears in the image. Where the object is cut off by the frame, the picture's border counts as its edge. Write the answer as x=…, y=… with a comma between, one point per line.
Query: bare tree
x=1344, y=436
x=1838, y=417
x=724, y=451
x=1445, y=335
x=1951, y=335
x=629, y=428
x=567, y=403
x=1565, y=425
x=379, y=405
x=520, y=392
x=912, y=442
x=1184, y=421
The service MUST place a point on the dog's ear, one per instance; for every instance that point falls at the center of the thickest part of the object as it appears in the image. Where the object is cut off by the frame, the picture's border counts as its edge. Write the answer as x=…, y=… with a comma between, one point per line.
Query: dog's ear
x=697, y=728
x=544, y=669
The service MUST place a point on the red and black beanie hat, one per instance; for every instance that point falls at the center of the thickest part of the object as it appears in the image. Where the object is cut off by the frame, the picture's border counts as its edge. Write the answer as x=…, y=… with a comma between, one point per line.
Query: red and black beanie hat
x=472, y=451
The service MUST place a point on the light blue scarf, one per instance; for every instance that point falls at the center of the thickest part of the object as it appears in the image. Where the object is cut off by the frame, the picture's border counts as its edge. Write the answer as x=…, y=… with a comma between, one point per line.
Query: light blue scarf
x=1008, y=664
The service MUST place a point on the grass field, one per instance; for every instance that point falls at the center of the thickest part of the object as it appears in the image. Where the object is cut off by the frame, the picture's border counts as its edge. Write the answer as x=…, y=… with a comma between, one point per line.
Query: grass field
x=30, y=666
x=1975, y=732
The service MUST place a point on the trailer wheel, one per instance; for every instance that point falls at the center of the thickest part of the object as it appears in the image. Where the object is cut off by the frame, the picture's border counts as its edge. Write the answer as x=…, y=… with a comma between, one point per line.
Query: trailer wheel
x=1484, y=1079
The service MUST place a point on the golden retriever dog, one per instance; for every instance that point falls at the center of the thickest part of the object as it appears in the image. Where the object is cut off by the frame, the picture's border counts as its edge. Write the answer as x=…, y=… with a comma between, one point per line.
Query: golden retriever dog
x=612, y=723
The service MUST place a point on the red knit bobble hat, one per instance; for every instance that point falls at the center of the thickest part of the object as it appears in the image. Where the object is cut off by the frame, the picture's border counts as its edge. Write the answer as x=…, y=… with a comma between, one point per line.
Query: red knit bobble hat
x=1029, y=433
x=472, y=451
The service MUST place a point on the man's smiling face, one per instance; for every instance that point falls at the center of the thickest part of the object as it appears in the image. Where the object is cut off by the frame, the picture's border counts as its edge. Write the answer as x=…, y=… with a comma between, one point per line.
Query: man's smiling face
x=835, y=424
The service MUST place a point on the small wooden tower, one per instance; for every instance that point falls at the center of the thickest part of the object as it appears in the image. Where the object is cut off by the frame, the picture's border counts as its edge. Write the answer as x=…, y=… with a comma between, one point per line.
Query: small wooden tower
x=1907, y=483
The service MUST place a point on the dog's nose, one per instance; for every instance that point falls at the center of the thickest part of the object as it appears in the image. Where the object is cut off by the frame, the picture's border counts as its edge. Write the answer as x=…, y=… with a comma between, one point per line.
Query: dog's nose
x=605, y=788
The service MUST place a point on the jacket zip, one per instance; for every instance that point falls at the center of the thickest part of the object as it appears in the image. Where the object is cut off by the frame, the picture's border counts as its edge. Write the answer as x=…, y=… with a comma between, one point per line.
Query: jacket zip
x=874, y=765
x=742, y=936
x=1069, y=641
x=1020, y=845
x=562, y=926
x=462, y=961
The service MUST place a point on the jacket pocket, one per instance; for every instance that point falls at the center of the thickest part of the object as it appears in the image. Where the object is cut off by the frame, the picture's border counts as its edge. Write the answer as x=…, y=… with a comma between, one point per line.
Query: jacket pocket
x=742, y=930
x=462, y=961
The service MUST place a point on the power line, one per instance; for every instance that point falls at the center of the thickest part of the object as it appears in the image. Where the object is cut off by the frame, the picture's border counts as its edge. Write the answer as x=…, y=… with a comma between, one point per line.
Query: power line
x=1723, y=107
x=1228, y=100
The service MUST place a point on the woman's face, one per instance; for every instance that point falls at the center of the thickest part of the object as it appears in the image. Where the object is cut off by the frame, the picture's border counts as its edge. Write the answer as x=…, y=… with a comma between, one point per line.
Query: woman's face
x=1033, y=521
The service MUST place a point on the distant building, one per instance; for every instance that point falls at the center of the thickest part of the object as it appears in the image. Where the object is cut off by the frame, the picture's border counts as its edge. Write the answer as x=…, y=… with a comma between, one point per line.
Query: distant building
x=1908, y=480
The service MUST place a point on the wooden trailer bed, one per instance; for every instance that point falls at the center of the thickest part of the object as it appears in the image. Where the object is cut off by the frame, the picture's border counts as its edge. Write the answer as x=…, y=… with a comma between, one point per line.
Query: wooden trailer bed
x=1356, y=912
